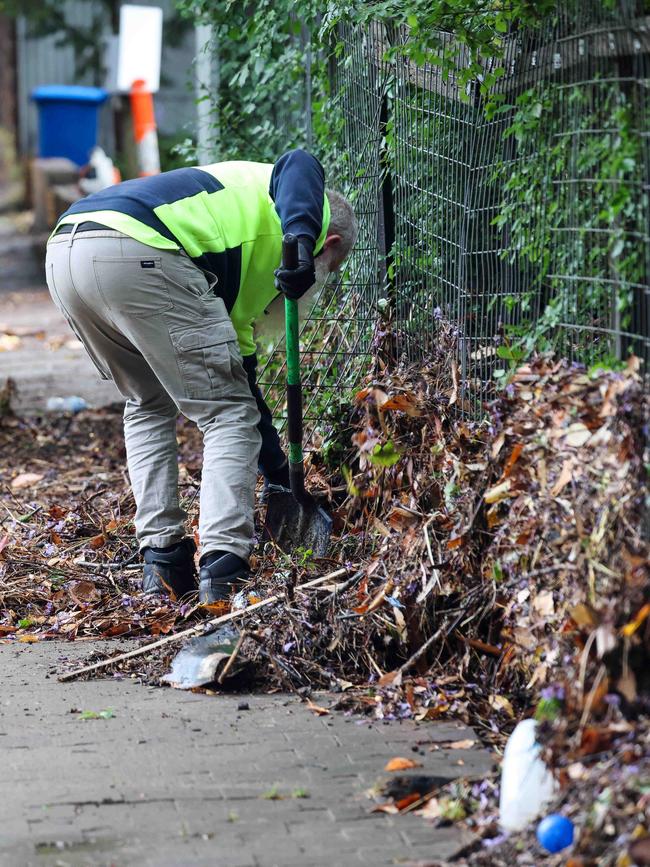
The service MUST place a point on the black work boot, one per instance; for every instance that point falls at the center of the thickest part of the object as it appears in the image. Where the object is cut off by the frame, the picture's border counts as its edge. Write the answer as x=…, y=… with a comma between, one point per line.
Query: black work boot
x=219, y=574
x=170, y=570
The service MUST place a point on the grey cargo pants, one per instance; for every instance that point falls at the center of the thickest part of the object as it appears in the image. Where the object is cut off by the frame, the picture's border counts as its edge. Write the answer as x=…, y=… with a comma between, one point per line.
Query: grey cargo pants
x=150, y=322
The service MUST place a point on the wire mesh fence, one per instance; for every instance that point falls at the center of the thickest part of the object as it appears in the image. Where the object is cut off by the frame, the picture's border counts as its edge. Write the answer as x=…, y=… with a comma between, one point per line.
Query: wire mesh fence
x=336, y=339
x=528, y=225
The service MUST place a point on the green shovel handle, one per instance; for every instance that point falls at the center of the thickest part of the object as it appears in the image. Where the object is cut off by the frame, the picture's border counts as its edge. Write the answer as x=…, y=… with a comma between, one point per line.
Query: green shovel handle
x=294, y=389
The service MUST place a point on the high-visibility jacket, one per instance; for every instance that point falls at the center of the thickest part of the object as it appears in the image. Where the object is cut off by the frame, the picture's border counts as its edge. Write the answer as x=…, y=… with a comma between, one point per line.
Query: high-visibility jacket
x=228, y=217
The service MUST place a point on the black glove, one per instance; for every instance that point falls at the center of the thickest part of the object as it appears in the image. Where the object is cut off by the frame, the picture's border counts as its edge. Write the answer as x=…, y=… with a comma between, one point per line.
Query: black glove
x=294, y=282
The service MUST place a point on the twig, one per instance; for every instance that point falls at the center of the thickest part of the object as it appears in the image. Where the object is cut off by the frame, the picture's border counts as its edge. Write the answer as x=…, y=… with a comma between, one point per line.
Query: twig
x=602, y=671
x=422, y=649
x=445, y=629
x=209, y=626
x=344, y=585
x=584, y=660
x=282, y=677
x=537, y=573
x=233, y=657
x=427, y=541
x=115, y=567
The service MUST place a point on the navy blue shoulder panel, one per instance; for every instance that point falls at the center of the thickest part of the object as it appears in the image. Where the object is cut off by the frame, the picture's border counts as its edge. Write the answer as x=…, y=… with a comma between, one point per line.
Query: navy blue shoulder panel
x=140, y=196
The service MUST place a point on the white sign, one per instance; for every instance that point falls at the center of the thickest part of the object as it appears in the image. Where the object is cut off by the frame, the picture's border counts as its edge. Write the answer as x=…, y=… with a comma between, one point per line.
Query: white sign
x=140, y=44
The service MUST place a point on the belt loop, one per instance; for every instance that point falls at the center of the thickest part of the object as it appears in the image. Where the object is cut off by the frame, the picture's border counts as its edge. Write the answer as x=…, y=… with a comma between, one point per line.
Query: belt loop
x=73, y=233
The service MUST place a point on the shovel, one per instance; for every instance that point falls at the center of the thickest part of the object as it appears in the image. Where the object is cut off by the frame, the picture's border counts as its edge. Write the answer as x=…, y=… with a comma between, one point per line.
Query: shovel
x=293, y=518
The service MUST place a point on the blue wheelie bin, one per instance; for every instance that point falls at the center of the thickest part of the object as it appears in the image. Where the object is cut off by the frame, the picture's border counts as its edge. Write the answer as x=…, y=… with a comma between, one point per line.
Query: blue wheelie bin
x=67, y=120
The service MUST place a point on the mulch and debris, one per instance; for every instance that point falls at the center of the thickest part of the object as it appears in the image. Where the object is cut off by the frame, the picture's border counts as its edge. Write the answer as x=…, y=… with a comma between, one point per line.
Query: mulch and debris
x=495, y=570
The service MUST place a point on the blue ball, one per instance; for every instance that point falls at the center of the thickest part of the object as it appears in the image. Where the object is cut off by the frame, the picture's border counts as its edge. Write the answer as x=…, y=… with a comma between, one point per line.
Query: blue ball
x=555, y=832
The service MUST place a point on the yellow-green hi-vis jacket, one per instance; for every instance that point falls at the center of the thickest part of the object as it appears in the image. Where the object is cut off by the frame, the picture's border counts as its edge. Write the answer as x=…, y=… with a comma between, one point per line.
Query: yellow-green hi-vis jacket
x=228, y=217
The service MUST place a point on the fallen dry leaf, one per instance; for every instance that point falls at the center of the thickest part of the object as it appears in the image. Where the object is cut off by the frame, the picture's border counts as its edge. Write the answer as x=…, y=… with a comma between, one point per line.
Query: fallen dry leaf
x=219, y=608
x=401, y=764
x=430, y=810
x=9, y=342
x=500, y=702
x=564, y=478
x=630, y=628
x=498, y=492
x=84, y=592
x=407, y=403
x=577, y=435
x=25, y=480
x=391, y=809
x=467, y=744
x=316, y=708
x=512, y=460
x=406, y=802
x=391, y=677
x=543, y=603
x=584, y=615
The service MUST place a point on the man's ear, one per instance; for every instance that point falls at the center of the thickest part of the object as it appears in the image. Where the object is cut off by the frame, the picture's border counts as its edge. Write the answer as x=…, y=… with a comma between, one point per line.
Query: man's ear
x=331, y=241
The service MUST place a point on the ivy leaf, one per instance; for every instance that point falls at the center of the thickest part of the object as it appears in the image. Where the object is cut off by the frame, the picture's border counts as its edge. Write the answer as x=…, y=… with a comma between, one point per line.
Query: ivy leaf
x=384, y=456
x=617, y=248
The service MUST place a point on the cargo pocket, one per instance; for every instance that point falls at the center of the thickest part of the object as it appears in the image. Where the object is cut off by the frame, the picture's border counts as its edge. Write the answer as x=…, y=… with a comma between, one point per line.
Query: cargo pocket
x=208, y=359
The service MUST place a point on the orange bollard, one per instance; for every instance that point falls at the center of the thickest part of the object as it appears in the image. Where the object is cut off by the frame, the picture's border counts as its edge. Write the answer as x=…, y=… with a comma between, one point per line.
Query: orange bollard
x=144, y=129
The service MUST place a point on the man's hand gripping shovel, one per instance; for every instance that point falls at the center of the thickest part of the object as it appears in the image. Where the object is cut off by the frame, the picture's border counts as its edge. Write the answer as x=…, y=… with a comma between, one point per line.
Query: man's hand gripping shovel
x=293, y=518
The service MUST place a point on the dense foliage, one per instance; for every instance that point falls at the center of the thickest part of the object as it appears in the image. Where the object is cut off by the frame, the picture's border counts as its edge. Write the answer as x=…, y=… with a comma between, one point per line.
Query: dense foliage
x=565, y=217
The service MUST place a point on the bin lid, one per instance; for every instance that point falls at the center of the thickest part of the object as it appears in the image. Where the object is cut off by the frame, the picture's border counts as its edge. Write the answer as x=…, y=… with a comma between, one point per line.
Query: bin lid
x=68, y=93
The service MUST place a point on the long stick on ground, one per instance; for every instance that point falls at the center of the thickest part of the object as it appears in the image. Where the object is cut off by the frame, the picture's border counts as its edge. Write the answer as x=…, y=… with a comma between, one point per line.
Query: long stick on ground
x=201, y=628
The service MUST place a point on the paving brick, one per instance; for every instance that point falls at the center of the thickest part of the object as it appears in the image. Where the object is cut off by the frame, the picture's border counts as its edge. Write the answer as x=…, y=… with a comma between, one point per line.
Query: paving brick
x=177, y=780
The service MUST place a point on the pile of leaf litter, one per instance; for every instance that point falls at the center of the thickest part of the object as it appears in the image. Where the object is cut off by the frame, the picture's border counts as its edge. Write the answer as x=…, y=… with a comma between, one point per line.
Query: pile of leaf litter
x=495, y=570
x=505, y=572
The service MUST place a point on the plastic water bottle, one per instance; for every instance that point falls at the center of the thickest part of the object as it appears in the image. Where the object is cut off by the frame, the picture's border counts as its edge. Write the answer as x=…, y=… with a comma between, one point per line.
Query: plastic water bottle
x=527, y=785
x=74, y=403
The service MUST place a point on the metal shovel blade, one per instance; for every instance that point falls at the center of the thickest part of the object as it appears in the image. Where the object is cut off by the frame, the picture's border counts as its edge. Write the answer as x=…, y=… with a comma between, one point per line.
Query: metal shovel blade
x=291, y=524
x=202, y=659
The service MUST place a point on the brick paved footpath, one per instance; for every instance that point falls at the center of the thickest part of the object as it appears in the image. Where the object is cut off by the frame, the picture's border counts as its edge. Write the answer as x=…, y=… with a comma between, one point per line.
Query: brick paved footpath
x=178, y=779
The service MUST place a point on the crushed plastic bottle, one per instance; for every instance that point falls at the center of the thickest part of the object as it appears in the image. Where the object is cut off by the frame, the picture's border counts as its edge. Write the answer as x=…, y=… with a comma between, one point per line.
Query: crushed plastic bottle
x=527, y=785
x=74, y=403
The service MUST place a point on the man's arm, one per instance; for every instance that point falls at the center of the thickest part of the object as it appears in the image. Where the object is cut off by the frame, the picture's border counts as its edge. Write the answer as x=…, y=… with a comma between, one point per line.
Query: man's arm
x=298, y=189
x=272, y=460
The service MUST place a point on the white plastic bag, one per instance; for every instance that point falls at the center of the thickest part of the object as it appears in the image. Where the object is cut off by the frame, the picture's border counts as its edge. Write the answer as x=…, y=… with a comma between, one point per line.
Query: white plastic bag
x=527, y=785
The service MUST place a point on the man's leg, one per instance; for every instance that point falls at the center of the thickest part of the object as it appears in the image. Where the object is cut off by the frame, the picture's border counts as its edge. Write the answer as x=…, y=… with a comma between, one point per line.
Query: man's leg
x=162, y=305
x=151, y=453
x=149, y=416
x=188, y=341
